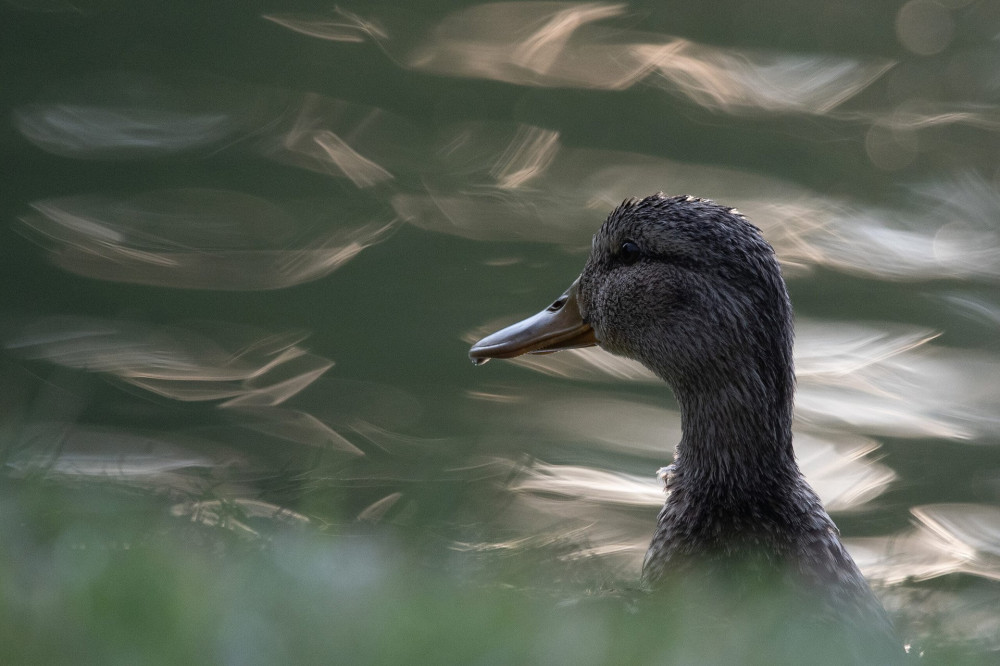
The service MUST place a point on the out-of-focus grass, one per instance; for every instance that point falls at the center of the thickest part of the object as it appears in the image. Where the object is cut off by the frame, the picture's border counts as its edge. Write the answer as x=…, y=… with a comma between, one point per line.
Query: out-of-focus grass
x=102, y=577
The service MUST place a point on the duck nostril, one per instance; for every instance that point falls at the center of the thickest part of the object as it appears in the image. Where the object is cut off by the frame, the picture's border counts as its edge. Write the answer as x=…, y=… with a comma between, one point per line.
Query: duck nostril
x=560, y=302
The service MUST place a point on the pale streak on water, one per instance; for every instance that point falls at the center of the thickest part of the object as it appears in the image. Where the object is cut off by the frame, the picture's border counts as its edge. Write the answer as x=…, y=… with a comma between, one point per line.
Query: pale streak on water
x=949, y=235
x=171, y=464
x=974, y=307
x=557, y=44
x=204, y=362
x=194, y=239
x=84, y=131
x=344, y=27
x=375, y=512
x=237, y=514
x=246, y=373
x=120, y=116
x=528, y=186
x=291, y=425
x=339, y=139
x=944, y=539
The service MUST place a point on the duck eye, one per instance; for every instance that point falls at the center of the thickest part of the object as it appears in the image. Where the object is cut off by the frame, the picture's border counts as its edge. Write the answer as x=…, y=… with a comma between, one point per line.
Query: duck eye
x=629, y=253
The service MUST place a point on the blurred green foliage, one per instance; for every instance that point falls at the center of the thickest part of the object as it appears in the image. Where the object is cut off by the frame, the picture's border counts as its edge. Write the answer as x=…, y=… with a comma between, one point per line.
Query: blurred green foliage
x=92, y=575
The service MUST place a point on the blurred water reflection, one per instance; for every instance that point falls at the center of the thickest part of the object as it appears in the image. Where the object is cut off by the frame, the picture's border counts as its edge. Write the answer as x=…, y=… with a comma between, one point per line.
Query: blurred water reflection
x=120, y=115
x=173, y=465
x=194, y=239
x=488, y=181
x=945, y=539
x=127, y=115
x=343, y=26
x=236, y=514
x=342, y=139
x=873, y=381
x=951, y=236
x=555, y=44
x=242, y=367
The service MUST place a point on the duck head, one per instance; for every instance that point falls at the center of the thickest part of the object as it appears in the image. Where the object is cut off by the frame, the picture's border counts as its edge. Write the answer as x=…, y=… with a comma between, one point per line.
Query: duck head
x=685, y=286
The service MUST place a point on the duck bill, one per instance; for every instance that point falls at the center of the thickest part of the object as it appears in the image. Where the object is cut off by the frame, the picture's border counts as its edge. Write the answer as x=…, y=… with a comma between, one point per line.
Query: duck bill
x=555, y=328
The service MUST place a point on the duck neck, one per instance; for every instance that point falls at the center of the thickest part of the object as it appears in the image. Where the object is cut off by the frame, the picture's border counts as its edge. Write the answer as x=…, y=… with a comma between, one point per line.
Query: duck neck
x=737, y=436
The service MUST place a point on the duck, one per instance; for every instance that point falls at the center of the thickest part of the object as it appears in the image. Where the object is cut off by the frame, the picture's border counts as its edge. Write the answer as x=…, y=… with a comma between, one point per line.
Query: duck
x=693, y=291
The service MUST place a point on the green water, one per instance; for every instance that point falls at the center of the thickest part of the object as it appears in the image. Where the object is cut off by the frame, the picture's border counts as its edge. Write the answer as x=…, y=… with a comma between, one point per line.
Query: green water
x=245, y=248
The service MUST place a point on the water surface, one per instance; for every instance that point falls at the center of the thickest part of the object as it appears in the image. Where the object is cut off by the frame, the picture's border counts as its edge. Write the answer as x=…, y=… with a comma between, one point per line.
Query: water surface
x=245, y=249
